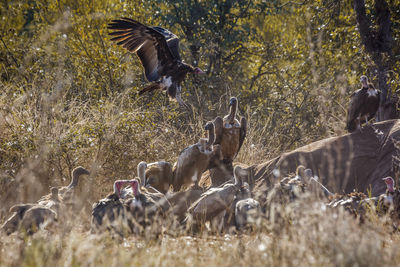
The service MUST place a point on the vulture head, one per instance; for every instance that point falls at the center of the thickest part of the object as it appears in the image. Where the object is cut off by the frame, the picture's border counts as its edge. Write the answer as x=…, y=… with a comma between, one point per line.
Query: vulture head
x=233, y=101
x=118, y=185
x=202, y=144
x=211, y=133
x=239, y=173
x=364, y=81
x=389, y=184
x=76, y=173
x=135, y=187
x=233, y=105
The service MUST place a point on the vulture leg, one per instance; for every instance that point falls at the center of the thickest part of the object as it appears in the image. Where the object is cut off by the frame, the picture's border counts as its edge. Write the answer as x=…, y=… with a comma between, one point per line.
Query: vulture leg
x=179, y=98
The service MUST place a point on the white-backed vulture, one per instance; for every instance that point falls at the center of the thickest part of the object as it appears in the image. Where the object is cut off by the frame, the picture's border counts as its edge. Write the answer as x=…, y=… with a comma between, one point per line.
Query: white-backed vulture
x=230, y=133
x=364, y=104
x=247, y=212
x=182, y=200
x=216, y=201
x=196, y=159
x=53, y=201
x=159, y=175
x=68, y=193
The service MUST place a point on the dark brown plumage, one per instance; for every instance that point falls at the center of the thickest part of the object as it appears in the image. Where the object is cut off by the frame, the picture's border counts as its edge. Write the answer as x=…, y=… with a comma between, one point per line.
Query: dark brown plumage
x=110, y=213
x=144, y=207
x=36, y=218
x=364, y=104
x=11, y=224
x=158, y=50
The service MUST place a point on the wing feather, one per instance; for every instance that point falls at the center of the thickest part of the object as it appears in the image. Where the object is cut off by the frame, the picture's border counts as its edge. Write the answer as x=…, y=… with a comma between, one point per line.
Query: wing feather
x=150, y=45
x=356, y=102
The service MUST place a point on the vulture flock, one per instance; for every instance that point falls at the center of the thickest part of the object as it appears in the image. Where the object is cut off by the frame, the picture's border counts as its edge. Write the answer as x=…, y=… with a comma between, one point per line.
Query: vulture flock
x=163, y=190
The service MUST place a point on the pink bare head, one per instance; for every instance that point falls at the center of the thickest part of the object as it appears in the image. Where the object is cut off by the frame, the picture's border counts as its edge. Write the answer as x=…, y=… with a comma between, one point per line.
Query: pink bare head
x=118, y=186
x=389, y=183
x=135, y=187
x=197, y=70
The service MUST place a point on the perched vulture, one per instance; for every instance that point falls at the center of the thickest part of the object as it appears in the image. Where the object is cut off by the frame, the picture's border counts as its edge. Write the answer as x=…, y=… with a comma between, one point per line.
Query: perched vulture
x=364, y=103
x=53, y=201
x=143, y=207
x=392, y=201
x=182, y=200
x=196, y=159
x=216, y=201
x=391, y=198
x=230, y=133
x=12, y=224
x=109, y=212
x=37, y=217
x=159, y=175
x=67, y=193
x=30, y=217
x=247, y=212
x=147, y=190
x=158, y=50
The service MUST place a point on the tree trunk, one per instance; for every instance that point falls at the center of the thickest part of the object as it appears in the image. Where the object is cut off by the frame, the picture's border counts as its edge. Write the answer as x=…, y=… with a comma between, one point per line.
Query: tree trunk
x=377, y=43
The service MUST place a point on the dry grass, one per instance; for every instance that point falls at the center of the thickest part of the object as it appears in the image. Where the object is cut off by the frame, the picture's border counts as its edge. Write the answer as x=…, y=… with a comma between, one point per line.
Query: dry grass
x=313, y=236
x=110, y=138
x=61, y=106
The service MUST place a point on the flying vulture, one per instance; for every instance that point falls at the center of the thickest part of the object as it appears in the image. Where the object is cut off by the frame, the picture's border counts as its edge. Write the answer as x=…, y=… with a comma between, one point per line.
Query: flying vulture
x=158, y=50
x=364, y=104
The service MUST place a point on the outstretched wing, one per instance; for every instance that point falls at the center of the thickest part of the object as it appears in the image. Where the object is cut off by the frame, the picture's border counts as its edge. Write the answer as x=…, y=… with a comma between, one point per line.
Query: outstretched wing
x=172, y=41
x=150, y=45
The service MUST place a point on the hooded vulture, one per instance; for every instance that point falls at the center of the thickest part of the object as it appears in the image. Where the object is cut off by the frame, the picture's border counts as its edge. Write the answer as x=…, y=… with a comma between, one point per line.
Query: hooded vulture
x=158, y=50
x=364, y=103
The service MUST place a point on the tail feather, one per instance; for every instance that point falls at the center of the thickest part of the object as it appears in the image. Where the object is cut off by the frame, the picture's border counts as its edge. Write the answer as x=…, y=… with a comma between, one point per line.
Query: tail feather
x=150, y=88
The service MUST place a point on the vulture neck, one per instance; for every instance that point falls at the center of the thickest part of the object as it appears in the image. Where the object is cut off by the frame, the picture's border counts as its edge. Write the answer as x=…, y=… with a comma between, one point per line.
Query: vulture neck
x=232, y=113
x=54, y=196
x=211, y=137
x=136, y=190
x=75, y=179
x=116, y=189
x=238, y=181
x=141, y=170
x=176, y=186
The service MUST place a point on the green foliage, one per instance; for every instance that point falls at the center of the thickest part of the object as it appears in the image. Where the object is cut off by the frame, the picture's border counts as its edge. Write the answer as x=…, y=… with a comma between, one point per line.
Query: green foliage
x=69, y=95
